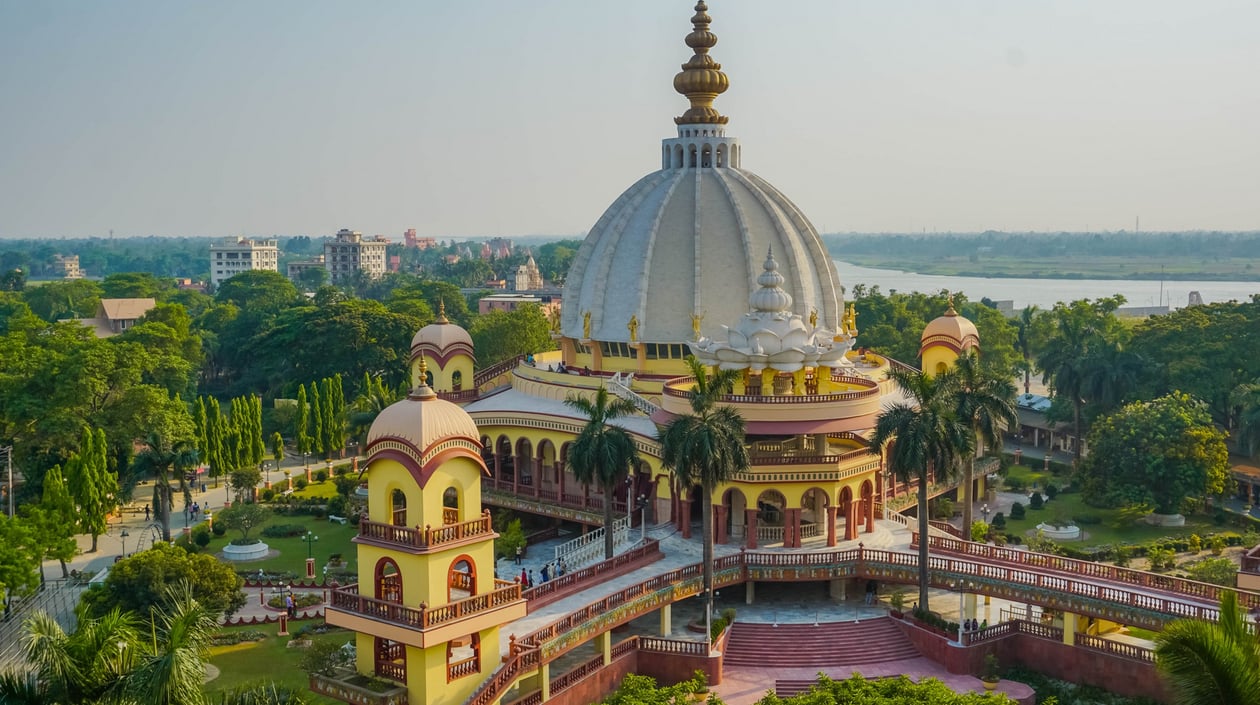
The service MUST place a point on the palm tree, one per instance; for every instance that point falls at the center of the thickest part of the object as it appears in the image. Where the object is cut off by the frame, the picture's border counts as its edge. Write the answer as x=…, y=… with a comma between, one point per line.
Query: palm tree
x=159, y=457
x=985, y=400
x=173, y=673
x=1062, y=361
x=87, y=665
x=1209, y=663
x=706, y=447
x=602, y=453
x=927, y=439
x=1024, y=341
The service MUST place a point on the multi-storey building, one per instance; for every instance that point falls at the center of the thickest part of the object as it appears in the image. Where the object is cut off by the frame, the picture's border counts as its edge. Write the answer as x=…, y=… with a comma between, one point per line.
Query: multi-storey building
x=294, y=269
x=350, y=251
x=235, y=255
x=68, y=265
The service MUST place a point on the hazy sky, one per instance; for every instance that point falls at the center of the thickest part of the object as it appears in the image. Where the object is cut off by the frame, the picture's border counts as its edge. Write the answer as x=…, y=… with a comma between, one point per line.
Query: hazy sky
x=531, y=116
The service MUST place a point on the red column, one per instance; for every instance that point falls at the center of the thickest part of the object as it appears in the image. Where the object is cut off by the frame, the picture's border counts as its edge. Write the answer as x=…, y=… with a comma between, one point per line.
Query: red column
x=831, y=526
x=851, y=520
x=516, y=476
x=750, y=517
x=793, y=525
x=719, y=518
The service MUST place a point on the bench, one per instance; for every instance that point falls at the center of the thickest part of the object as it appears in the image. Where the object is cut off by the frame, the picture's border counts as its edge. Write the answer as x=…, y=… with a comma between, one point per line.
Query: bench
x=339, y=520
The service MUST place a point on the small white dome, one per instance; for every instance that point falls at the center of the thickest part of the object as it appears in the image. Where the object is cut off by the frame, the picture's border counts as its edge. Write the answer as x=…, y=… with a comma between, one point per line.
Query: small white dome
x=422, y=419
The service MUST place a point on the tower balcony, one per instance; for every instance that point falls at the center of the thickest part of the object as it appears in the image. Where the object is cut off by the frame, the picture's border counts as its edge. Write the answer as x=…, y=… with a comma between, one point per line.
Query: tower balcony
x=850, y=404
x=425, y=626
x=425, y=540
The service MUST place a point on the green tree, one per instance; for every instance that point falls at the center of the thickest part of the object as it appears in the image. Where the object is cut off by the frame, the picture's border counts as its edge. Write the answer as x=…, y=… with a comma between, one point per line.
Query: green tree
x=20, y=558
x=216, y=440
x=1158, y=452
x=328, y=432
x=603, y=453
x=93, y=487
x=244, y=518
x=160, y=457
x=138, y=582
x=199, y=427
x=54, y=518
x=501, y=335
x=372, y=400
x=135, y=285
x=706, y=447
x=277, y=448
x=1246, y=399
x=1025, y=332
x=317, y=421
x=927, y=438
x=984, y=398
x=1207, y=663
x=301, y=431
x=259, y=290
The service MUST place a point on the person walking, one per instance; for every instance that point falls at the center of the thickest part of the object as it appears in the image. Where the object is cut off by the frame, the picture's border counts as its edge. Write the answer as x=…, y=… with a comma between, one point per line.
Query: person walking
x=146, y=512
x=519, y=552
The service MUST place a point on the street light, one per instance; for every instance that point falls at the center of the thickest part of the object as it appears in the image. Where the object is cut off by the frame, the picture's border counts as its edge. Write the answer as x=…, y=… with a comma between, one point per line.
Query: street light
x=985, y=511
x=310, y=538
x=642, y=504
x=124, y=536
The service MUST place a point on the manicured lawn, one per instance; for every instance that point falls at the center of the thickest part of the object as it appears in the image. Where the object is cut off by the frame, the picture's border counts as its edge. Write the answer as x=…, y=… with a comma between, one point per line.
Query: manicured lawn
x=324, y=490
x=266, y=660
x=1117, y=526
x=1027, y=476
x=333, y=538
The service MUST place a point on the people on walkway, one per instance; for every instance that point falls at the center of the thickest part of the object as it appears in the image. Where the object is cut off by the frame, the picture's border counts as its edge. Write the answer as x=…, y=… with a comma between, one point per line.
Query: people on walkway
x=545, y=573
x=146, y=512
x=519, y=552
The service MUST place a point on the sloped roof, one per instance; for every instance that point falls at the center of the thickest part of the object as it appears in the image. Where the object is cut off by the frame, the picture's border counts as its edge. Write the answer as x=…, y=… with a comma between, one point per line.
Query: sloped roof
x=126, y=309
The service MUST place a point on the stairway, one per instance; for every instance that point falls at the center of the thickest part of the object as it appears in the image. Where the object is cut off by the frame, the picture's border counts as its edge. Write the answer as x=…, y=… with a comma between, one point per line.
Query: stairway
x=831, y=645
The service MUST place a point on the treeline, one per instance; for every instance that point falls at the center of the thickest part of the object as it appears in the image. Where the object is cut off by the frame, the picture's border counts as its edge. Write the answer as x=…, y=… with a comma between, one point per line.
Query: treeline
x=1194, y=244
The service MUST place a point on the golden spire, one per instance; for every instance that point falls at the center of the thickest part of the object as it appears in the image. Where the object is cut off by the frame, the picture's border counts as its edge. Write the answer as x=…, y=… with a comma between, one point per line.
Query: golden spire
x=701, y=79
x=422, y=391
x=441, y=318
x=950, y=311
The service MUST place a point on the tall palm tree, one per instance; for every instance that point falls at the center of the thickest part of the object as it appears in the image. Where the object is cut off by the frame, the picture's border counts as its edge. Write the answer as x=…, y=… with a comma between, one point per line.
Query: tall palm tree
x=88, y=665
x=173, y=673
x=1110, y=375
x=159, y=457
x=985, y=400
x=927, y=439
x=1024, y=341
x=706, y=447
x=602, y=453
x=1209, y=663
x=1062, y=365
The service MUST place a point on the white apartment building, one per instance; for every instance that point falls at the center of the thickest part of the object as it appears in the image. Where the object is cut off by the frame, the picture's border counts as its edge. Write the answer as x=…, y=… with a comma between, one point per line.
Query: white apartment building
x=350, y=251
x=236, y=255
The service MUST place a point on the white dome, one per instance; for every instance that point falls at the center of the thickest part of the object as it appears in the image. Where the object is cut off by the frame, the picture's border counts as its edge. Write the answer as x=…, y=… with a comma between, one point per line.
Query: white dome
x=422, y=419
x=684, y=241
x=442, y=336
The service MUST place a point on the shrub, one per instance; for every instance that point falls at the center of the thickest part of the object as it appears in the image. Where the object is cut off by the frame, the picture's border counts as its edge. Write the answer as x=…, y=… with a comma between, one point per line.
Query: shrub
x=354, y=519
x=1123, y=555
x=1218, y=544
x=341, y=470
x=510, y=538
x=999, y=521
x=1014, y=539
x=230, y=637
x=1035, y=501
x=1219, y=571
x=979, y=531
x=268, y=495
x=321, y=475
x=1161, y=559
x=345, y=485
x=300, y=483
x=1196, y=543
x=1015, y=484
x=337, y=506
x=201, y=537
x=1017, y=511
x=944, y=509
x=282, y=531
x=219, y=529
x=1088, y=520
x=1052, y=490
x=300, y=601
x=323, y=657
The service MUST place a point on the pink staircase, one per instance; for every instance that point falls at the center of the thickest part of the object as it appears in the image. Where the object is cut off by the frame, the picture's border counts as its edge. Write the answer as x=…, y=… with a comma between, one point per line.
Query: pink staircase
x=835, y=644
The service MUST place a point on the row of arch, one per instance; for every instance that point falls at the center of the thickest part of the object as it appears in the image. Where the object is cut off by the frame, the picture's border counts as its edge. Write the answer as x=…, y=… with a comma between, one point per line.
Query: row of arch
x=541, y=471
x=770, y=517
x=702, y=156
x=461, y=580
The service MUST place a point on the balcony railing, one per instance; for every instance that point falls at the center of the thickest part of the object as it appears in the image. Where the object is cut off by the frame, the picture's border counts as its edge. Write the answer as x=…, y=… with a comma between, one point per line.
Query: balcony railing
x=348, y=599
x=350, y=687
x=459, y=669
x=681, y=388
x=428, y=537
x=450, y=515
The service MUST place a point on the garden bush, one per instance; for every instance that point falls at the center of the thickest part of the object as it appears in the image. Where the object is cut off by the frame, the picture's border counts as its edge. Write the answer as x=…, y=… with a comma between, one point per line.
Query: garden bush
x=999, y=521
x=337, y=506
x=1035, y=501
x=1052, y=490
x=201, y=537
x=281, y=531
x=1196, y=543
x=300, y=483
x=268, y=495
x=341, y=470
x=1088, y=520
x=1123, y=554
x=1014, y=539
x=300, y=601
x=1017, y=511
x=321, y=475
x=1015, y=484
x=1161, y=559
x=230, y=637
x=1218, y=544
x=979, y=531
x=219, y=529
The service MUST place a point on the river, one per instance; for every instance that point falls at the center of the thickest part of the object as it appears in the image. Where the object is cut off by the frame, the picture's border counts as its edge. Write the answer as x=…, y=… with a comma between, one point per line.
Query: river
x=1046, y=292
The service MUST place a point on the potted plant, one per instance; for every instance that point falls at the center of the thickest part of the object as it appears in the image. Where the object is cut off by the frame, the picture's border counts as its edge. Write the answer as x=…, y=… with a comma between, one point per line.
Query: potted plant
x=699, y=686
x=898, y=602
x=989, y=672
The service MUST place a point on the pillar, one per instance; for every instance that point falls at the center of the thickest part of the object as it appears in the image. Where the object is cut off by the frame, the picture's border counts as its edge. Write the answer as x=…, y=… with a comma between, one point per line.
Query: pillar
x=1069, y=628
x=749, y=592
x=767, y=383
x=838, y=589
x=969, y=606
x=750, y=517
x=820, y=444
x=851, y=520
x=667, y=619
x=831, y=526
x=869, y=507
x=544, y=680
x=792, y=528
x=604, y=643
x=719, y=519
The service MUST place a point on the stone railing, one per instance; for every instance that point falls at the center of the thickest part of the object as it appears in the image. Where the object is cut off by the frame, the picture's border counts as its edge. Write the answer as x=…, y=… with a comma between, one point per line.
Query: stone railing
x=428, y=537
x=541, y=593
x=620, y=386
x=489, y=374
x=589, y=547
x=461, y=669
x=870, y=389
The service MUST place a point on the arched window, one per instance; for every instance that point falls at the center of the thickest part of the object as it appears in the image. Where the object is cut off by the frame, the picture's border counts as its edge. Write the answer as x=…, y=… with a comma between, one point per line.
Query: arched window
x=461, y=579
x=450, y=506
x=398, y=506
x=941, y=368
x=457, y=381
x=463, y=657
x=388, y=581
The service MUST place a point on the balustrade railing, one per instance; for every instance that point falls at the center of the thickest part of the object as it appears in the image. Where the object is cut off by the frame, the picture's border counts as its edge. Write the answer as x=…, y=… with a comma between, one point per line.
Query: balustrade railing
x=348, y=599
x=450, y=515
x=428, y=537
x=396, y=672
x=341, y=686
x=589, y=547
x=461, y=668
x=871, y=389
x=574, y=577
x=488, y=374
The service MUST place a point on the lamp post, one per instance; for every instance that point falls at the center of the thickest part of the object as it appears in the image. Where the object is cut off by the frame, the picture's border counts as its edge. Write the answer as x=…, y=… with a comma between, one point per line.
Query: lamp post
x=124, y=536
x=985, y=511
x=642, y=503
x=310, y=540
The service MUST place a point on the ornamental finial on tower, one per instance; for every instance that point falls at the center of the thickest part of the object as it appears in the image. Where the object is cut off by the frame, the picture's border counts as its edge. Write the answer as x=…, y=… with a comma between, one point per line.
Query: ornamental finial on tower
x=441, y=317
x=701, y=79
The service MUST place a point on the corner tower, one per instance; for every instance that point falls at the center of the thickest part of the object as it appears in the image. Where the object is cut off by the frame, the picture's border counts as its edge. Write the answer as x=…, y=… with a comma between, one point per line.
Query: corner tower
x=427, y=607
x=446, y=350
x=677, y=255
x=945, y=339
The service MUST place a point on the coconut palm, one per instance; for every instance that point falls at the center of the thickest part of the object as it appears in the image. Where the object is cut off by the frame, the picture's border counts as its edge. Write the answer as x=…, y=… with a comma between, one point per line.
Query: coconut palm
x=159, y=457
x=1207, y=663
x=88, y=665
x=706, y=448
x=1024, y=341
x=602, y=453
x=173, y=672
x=928, y=437
x=985, y=400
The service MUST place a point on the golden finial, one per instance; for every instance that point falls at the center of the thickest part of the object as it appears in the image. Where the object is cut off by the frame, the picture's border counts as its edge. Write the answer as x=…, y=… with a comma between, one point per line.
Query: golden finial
x=950, y=311
x=701, y=79
x=442, y=311
x=422, y=390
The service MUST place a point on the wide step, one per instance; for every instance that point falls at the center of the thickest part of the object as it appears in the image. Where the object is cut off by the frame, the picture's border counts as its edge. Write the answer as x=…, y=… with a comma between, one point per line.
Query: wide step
x=835, y=644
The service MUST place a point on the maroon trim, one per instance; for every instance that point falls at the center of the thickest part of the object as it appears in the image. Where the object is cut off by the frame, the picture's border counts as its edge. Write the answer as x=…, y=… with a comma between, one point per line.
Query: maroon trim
x=441, y=357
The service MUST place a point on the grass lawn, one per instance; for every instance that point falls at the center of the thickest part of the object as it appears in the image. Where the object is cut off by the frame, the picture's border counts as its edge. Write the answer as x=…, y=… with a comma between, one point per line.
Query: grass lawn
x=266, y=660
x=324, y=490
x=1027, y=475
x=1118, y=525
x=333, y=538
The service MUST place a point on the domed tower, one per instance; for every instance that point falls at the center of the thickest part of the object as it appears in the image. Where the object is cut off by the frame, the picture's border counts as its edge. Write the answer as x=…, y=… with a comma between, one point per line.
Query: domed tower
x=677, y=255
x=427, y=607
x=447, y=351
x=945, y=339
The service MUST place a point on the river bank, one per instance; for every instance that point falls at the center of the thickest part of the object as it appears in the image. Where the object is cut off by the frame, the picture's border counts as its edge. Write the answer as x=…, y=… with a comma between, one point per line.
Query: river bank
x=1128, y=268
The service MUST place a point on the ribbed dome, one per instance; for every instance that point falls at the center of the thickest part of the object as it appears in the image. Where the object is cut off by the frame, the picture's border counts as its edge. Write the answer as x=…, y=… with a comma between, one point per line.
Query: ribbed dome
x=691, y=241
x=951, y=328
x=422, y=419
x=441, y=336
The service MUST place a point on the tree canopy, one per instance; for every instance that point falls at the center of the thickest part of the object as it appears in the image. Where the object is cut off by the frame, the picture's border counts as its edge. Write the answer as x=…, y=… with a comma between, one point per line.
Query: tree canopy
x=137, y=583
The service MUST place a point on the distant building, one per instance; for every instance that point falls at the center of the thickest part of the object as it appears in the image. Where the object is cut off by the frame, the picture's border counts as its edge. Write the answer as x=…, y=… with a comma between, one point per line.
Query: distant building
x=497, y=248
x=395, y=263
x=184, y=283
x=113, y=316
x=511, y=302
x=294, y=269
x=527, y=277
x=68, y=265
x=350, y=251
x=420, y=243
x=235, y=255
